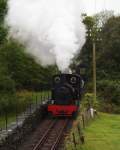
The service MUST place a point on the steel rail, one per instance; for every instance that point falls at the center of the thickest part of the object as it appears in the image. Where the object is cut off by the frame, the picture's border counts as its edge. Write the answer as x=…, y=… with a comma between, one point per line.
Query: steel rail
x=57, y=141
x=42, y=140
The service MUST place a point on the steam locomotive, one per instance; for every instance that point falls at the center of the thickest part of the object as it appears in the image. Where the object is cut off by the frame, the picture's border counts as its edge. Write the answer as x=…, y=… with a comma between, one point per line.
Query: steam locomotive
x=66, y=95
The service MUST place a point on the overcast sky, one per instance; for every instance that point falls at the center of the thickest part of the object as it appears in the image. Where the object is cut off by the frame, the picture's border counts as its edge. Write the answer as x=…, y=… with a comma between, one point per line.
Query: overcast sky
x=91, y=8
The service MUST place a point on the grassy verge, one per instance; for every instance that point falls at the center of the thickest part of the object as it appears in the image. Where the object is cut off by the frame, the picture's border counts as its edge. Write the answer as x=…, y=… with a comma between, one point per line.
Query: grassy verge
x=102, y=134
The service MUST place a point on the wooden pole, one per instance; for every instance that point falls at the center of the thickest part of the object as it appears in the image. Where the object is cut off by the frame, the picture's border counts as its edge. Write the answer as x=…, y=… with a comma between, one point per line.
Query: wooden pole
x=6, y=120
x=94, y=70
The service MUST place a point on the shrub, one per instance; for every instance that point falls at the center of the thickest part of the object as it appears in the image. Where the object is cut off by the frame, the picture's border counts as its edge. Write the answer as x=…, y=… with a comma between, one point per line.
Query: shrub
x=89, y=100
x=7, y=94
x=7, y=85
x=109, y=90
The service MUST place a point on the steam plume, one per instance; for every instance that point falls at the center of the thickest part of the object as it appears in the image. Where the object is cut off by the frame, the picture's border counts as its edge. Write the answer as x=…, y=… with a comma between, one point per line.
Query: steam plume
x=52, y=30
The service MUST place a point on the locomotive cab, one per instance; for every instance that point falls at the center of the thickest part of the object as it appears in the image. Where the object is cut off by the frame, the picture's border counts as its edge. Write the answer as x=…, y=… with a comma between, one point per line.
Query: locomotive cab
x=66, y=94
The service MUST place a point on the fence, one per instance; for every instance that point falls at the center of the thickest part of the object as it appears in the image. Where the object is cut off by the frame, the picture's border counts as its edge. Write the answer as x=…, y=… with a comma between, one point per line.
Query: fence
x=77, y=136
x=22, y=110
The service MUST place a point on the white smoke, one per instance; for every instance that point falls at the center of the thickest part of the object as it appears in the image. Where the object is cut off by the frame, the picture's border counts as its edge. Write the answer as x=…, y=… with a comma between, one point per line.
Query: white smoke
x=52, y=30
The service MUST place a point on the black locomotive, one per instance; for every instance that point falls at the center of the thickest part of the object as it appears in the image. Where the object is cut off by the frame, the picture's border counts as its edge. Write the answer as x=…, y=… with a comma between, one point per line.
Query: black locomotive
x=66, y=94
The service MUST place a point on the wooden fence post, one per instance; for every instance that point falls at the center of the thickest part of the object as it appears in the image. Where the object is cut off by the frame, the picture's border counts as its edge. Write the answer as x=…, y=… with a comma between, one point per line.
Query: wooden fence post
x=41, y=96
x=83, y=120
x=36, y=101
x=74, y=141
x=6, y=120
x=79, y=130
x=81, y=135
x=16, y=114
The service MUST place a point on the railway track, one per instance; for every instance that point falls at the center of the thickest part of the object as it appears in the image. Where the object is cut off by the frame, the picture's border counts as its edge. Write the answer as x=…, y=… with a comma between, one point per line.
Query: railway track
x=48, y=136
x=51, y=138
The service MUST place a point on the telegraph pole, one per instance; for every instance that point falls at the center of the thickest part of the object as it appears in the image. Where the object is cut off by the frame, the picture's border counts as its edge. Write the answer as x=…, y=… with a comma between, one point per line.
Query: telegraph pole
x=94, y=34
x=94, y=70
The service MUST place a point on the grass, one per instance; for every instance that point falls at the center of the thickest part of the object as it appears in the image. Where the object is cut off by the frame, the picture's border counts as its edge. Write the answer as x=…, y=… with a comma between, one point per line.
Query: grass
x=102, y=134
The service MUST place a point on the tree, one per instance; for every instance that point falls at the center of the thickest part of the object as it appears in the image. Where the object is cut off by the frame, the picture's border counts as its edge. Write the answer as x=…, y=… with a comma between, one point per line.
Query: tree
x=107, y=49
x=85, y=55
x=102, y=17
x=22, y=68
x=108, y=60
x=3, y=10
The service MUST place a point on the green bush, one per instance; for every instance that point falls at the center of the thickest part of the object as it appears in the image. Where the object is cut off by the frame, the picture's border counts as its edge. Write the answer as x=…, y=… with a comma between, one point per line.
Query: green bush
x=89, y=101
x=109, y=93
x=7, y=94
x=7, y=85
x=109, y=90
x=7, y=103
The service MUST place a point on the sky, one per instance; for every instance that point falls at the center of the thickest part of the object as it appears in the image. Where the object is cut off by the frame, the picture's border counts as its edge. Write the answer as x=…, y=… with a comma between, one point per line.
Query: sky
x=94, y=6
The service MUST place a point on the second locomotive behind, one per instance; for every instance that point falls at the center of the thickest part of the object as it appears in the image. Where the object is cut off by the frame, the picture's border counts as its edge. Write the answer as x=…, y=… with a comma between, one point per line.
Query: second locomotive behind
x=66, y=95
